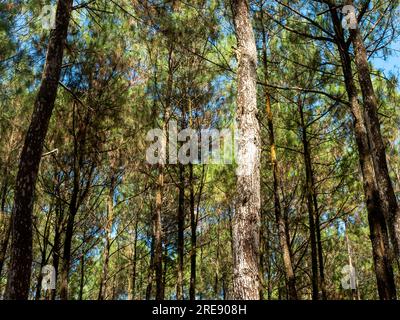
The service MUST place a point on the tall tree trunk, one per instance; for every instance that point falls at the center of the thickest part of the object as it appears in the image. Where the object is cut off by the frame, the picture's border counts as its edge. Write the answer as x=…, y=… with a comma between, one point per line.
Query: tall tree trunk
x=314, y=217
x=107, y=248
x=193, y=237
x=217, y=263
x=392, y=210
x=78, y=194
x=66, y=259
x=246, y=224
x=18, y=281
x=57, y=243
x=268, y=266
x=181, y=226
x=262, y=256
x=157, y=220
x=283, y=232
x=201, y=269
x=43, y=259
x=318, y=235
x=181, y=219
x=320, y=249
x=165, y=270
x=310, y=204
x=158, y=234
x=376, y=217
x=7, y=226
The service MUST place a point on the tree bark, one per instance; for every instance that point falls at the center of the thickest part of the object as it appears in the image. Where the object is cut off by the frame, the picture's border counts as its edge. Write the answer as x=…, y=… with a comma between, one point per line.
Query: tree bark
x=376, y=216
x=73, y=210
x=321, y=267
x=107, y=248
x=158, y=235
x=165, y=269
x=181, y=226
x=7, y=225
x=378, y=149
x=246, y=221
x=66, y=259
x=217, y=264
x=79, y=192
x=57, y=242
x=193, y=237
x=268, y=264
x=18, y=281
x=310, y=204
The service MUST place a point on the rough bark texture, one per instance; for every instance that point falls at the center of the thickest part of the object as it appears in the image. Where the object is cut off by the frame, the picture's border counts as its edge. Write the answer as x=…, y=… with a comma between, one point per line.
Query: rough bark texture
x=392, y=210
x=246, y=220
x=376, y=218
x=21, y=256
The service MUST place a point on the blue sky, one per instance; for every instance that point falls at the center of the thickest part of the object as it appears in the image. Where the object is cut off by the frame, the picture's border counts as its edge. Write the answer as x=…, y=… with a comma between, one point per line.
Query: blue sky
x=392, y=63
